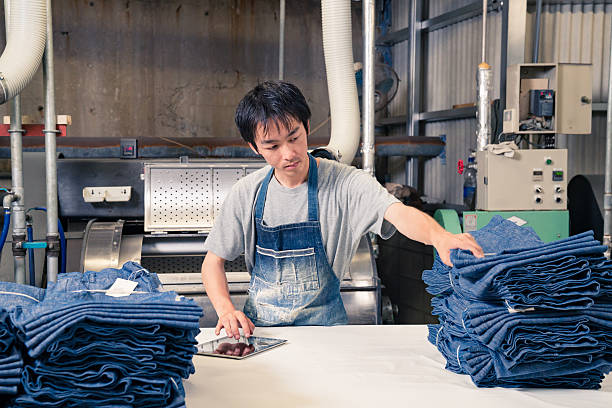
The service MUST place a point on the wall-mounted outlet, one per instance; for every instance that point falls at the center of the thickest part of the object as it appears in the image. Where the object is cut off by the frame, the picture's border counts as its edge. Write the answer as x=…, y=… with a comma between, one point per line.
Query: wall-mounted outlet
x=110, y=194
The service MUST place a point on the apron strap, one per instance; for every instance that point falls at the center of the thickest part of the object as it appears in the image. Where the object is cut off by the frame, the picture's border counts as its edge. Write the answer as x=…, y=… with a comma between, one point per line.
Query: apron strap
x=313, y=187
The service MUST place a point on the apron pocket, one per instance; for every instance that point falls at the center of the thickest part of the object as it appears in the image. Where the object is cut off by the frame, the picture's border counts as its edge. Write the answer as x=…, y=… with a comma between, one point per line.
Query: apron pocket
x=290, y=267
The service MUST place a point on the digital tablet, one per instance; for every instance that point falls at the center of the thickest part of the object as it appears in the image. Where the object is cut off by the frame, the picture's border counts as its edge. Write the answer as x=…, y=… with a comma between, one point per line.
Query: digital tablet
x=229, y=347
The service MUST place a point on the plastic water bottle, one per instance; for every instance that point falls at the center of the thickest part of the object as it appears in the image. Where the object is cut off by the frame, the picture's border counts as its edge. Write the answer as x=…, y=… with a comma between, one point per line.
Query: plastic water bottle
x=469, y=185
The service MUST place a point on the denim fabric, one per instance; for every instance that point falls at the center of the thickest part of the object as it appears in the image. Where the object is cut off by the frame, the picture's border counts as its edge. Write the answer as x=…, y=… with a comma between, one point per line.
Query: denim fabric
x=92, y=280
x=14, y=295
x=468, y=357
x=527, y=314
x=11, y=362
x=292, y=282
x=92, y=350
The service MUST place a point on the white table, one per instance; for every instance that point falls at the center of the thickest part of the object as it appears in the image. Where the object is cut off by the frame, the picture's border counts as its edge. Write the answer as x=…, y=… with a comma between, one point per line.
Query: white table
x=358, y=366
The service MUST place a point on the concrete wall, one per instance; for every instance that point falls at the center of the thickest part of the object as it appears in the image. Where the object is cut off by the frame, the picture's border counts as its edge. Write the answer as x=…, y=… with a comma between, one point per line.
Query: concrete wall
x=172, y=68
x=177, y=68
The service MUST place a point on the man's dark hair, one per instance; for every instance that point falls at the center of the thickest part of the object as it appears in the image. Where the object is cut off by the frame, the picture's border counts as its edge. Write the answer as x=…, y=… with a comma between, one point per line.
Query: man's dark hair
x=271, y=102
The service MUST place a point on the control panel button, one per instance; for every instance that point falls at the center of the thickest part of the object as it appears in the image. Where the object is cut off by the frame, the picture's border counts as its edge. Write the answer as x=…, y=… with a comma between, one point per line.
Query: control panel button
x=537, y=175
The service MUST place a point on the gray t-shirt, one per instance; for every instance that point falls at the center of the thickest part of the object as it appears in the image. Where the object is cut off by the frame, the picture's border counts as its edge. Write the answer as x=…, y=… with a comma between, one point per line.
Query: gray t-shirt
x=351, y=203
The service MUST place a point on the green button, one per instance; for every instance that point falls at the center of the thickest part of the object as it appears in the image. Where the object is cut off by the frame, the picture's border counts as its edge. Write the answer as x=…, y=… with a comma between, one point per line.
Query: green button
x=548, y=161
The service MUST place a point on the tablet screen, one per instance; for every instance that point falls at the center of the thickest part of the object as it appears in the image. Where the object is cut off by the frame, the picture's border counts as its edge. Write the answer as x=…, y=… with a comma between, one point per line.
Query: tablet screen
x=229, y=347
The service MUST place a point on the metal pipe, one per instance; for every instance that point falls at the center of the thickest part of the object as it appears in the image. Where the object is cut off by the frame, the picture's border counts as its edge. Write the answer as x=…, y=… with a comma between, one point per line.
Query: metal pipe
x=50, y=132
x=484, y=29
x=415, y=65
x=281, y=42
x=608, y=174
x=536, y=35
x=483, y=82
x=369, y=27
x=503, y=64
x=18, y=210
x=15, y=132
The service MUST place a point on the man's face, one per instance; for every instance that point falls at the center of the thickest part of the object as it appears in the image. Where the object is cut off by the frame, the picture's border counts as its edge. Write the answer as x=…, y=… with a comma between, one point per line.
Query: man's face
x=284, y=149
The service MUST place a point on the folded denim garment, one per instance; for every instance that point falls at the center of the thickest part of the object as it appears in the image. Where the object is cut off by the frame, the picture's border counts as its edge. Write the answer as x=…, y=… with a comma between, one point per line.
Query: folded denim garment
x=528, y=314
x=88, y=349
x=468, y=357
x=11, y=361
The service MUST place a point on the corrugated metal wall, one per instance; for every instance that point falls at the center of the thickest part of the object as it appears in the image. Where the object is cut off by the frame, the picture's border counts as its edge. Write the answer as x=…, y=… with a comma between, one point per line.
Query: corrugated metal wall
x=578, y=32
x=452, y=60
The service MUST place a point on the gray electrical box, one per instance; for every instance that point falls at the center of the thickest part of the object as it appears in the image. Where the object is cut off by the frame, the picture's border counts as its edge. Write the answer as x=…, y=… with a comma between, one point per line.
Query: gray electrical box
x=572, y=88
x=531, y=180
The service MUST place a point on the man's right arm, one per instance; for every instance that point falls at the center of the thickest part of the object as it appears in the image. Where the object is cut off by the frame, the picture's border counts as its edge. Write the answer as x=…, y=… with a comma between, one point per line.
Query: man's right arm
x=215, y=282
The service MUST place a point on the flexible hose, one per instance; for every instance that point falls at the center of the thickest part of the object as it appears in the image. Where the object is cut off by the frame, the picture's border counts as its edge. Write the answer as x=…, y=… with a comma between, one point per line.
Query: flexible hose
x=31, y=261
x=343, y=100
x=25, y=45
x=60, y=229
x=5, y=227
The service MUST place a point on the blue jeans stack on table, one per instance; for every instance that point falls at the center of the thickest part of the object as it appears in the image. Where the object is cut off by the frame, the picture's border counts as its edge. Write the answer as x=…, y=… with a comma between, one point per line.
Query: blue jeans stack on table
x=528, y=314
x=83, y=348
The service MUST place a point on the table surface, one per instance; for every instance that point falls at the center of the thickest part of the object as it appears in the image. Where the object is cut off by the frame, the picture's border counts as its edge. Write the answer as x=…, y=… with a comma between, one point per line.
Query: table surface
x=358, y=366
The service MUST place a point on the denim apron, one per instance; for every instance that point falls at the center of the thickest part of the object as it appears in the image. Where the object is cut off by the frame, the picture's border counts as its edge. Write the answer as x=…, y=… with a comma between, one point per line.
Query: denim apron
x=292, y=282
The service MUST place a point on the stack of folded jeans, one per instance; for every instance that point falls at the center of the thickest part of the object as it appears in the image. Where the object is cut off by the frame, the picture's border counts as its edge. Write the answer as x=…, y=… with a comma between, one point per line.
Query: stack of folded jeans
x=86, y=348
x=12, y=296
x=528, y=314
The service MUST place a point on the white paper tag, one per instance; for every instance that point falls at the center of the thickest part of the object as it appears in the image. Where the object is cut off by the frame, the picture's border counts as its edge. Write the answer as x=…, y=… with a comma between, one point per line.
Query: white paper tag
x=121, y=287
x=513, y=310
x=529, y=309
x=518, y=221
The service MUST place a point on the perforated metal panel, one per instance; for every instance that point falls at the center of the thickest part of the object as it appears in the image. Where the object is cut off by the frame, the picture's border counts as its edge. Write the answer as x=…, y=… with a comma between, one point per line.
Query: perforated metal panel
x=187, y=264
x=178, y=199
x=178, y=264
x=222, y=178
x=188, y=196
x=237, y=265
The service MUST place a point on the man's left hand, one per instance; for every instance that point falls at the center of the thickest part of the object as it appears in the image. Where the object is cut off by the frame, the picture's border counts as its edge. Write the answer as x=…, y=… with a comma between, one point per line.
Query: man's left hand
x=446, y=241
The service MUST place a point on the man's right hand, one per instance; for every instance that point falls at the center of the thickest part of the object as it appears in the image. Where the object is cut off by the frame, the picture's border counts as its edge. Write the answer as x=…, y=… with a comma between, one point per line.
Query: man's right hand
x=232, y=322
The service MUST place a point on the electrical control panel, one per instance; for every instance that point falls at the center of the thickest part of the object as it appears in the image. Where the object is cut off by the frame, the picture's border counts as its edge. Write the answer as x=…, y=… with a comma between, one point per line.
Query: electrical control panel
x=531, y=180
x=542, y=102
x=548, y=99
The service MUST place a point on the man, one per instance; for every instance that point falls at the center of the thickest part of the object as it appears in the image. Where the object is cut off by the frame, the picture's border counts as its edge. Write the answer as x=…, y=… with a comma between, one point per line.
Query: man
x=299, y=221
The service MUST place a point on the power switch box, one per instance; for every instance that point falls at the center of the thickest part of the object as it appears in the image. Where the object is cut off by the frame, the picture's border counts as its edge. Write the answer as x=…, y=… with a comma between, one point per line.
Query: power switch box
x=129, y=148
x=109, y=194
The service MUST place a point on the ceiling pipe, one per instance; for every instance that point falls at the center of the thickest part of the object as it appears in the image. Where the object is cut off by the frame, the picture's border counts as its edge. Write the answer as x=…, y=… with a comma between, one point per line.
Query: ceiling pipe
x=281, y=42
x=367, y=101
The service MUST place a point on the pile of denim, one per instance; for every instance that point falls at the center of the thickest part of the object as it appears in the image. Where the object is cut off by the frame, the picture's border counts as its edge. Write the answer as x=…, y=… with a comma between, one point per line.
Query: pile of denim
x=12, y=296
x=84, y=348
x=528, y=314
